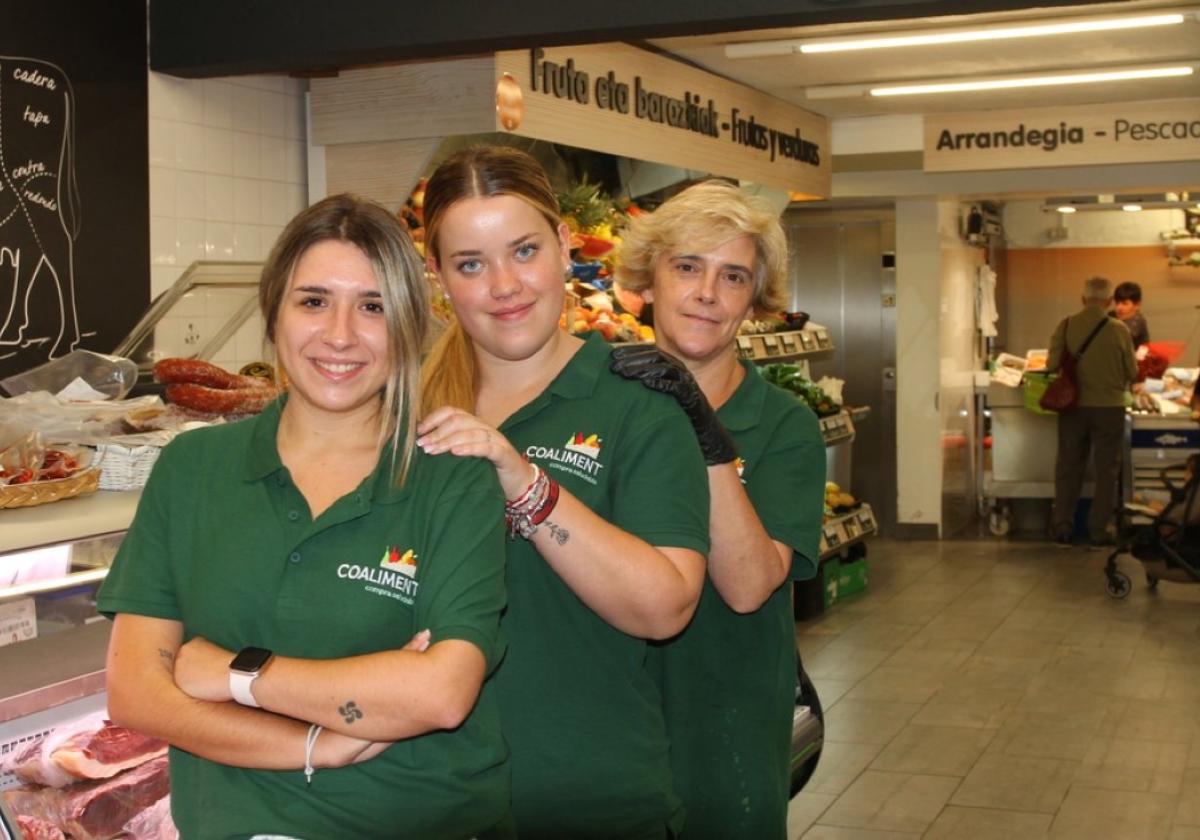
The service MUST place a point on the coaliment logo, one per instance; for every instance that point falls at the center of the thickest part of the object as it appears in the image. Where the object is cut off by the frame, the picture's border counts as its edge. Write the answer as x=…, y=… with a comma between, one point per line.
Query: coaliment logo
x=579, y=456
x=589, y=445
x=394, y=577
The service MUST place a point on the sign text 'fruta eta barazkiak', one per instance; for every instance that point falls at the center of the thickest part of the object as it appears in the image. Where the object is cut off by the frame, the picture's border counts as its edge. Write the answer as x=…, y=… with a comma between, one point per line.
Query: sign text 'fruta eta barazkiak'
x=1084, y=135
x=622, y=100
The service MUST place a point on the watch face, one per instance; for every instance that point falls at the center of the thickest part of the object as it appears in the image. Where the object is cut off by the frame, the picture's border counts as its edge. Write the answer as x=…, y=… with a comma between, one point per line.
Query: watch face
x=251, y=660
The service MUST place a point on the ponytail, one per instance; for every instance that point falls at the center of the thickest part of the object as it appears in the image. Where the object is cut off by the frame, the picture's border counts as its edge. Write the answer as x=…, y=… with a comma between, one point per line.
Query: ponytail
x=449, y=375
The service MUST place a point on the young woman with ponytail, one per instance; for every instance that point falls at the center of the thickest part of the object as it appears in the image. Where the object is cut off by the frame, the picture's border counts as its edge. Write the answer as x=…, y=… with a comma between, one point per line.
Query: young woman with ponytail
x=607, y=505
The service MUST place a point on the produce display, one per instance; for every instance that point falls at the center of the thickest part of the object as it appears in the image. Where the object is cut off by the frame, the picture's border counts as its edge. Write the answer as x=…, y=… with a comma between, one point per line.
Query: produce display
x=210, y=390
x=773, y=323
x=837, y=502
x=791, y=378
x=596, y=313
x=595, y=221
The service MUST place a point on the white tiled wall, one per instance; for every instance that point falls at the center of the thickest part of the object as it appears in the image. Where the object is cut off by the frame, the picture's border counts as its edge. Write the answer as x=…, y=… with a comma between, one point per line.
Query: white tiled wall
x=227, y=171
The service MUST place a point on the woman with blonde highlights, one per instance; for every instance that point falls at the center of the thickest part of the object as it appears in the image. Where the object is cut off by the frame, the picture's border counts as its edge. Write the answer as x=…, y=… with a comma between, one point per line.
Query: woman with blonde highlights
x=707, y=259
x=606, y=505
x=306, y=605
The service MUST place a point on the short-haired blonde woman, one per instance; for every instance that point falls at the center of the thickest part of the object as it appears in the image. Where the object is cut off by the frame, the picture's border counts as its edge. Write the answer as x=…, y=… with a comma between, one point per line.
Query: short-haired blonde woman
x=306, y=606
x=607, y=499
x=707, y=259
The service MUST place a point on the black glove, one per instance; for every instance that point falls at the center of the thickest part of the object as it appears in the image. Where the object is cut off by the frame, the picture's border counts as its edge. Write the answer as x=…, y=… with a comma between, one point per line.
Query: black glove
x=662, y=372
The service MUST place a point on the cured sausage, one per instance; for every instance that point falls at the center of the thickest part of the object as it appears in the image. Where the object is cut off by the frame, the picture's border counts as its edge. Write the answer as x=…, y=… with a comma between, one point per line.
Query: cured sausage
x=197, y=372
x=218, y=401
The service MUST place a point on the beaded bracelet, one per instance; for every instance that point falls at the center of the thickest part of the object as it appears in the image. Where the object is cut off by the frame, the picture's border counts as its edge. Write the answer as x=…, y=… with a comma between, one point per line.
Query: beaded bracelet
x=530, y=509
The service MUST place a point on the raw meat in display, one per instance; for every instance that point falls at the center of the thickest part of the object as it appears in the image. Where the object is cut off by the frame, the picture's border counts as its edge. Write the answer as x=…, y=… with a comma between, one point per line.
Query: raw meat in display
x=35, y=829
x=36, y=806
x=154, y=823
x=96, y=810
x=91, y=748
x=104, y=753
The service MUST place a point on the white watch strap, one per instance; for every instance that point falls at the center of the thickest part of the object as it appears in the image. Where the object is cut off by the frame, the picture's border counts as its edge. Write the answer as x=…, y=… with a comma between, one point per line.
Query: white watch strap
x=239, y=687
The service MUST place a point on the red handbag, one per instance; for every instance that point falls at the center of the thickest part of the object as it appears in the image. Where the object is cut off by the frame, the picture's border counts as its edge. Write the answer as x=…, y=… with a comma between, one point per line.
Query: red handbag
x=1063, y=393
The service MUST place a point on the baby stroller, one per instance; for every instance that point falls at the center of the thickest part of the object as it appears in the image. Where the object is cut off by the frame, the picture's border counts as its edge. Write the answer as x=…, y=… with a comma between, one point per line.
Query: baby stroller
x=1166, y=542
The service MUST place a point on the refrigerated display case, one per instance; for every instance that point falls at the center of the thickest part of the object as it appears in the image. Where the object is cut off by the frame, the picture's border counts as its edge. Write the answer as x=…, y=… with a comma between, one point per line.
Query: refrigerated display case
x=53, y=558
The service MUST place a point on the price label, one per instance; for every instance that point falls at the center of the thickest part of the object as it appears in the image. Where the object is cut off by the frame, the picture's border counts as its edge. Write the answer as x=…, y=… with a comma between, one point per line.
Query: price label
x=809, y=342
x=745, y=348
x=771, y=343
x=789, y=343
x=18, y=621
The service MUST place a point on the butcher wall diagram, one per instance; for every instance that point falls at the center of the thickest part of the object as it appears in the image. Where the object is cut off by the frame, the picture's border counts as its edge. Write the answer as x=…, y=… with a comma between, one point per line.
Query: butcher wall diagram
x=39, y=211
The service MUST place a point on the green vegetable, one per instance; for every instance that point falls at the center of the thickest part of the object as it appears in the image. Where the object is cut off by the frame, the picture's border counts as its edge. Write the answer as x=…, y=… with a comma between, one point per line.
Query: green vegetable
x=791, y=378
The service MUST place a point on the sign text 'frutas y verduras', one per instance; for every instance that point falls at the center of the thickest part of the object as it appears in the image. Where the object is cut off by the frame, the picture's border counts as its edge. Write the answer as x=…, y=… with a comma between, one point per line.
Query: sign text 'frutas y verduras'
x=686, y=110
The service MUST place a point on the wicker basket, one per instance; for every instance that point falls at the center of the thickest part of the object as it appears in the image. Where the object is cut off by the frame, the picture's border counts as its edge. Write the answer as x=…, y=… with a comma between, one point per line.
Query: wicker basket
x=125, y=467
x=43, y=492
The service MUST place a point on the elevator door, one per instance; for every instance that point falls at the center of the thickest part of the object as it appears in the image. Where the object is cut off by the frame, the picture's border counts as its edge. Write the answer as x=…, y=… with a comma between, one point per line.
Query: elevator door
x=838, y=277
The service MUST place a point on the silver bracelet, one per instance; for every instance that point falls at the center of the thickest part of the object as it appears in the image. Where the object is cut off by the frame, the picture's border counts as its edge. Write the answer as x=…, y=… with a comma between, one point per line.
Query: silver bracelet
x=314, y=732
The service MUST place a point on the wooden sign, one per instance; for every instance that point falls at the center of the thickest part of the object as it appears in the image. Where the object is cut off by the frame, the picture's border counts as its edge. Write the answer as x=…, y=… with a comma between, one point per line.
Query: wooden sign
x=611, y=98
x=1085, y=135
x=625, y=101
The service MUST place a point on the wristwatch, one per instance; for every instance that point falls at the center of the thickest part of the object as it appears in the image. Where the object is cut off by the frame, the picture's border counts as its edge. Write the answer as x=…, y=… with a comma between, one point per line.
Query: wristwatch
x=244, y=670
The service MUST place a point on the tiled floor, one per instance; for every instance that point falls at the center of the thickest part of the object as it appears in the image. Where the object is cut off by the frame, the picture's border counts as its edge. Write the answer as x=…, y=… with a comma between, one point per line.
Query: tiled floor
x=991, y=689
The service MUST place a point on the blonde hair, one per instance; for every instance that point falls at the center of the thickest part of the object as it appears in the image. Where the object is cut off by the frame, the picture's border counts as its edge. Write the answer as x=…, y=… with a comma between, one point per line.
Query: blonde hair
x=405, y=298
x=703, y=217
x=450, y=374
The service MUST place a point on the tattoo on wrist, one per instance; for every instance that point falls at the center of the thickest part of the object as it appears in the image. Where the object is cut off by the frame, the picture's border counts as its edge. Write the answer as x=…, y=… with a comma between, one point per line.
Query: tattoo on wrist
x=350, y=712
x=561, y=535
x=166, y=656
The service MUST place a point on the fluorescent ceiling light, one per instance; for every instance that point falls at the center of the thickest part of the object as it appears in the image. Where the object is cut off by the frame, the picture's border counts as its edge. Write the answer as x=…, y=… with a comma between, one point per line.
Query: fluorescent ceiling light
x=933, y=37
x=1027, y=81
x=1129, y=202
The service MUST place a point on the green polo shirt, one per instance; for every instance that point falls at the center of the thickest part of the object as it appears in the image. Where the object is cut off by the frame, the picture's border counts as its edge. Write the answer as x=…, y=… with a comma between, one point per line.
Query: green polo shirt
x=581, y=713
x=224, y=543
x=729, y=680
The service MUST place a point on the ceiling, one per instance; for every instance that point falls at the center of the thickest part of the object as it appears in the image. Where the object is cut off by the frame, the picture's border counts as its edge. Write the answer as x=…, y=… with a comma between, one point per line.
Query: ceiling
x=788, y=76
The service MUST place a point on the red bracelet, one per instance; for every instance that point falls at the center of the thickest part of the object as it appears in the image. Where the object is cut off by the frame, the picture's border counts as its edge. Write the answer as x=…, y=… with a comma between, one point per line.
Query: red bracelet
x=539, y=516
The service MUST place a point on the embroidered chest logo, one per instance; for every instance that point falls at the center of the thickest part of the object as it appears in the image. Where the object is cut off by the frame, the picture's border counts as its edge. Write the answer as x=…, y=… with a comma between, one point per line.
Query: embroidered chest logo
x=741, y=467
x=405, y=564
x=394, y=577
x=579, y=456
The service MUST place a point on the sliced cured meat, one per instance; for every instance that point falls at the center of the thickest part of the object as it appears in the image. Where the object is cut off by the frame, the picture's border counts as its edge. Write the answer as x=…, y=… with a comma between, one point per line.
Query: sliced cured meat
x=103, y=753
x=35, y=829
x=99, y=810
x=154, y=823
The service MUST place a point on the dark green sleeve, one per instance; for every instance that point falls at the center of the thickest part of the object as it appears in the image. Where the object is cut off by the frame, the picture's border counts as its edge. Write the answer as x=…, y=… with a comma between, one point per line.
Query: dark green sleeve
x=463, y=594
x=787, y=488
x=661, y=485
x=141, y=580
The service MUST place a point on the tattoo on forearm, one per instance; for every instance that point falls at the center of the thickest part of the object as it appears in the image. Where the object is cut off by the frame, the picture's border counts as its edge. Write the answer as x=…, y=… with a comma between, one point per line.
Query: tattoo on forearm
x=167, y=656
x=561, y=535
x=350, y=712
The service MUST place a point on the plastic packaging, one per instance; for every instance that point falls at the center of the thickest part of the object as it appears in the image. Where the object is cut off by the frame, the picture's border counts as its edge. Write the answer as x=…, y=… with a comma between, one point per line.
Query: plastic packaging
x=69, y=422
x=99, y=376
